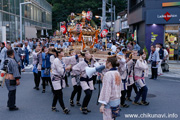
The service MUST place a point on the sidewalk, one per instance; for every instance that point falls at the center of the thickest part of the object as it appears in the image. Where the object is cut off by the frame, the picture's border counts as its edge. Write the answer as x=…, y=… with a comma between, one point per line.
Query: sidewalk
x=174, y=70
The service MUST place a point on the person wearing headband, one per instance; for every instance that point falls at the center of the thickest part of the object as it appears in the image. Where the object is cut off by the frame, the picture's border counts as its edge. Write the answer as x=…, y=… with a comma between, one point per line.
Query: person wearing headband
x=59, y=67
x=130, y=82
x=85, y=82
x=123, y=70
x=75, y=79
x=141, y=71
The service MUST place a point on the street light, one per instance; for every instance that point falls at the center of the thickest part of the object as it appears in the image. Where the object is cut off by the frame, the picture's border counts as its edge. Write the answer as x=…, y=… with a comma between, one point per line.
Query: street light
x=21, y=18
x=98, y=16
x=101, y=21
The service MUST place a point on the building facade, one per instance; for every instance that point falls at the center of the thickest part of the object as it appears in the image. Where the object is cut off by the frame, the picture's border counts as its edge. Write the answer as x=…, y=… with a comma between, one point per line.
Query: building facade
x=155, y=21
x=123, y=27
x=36, y=17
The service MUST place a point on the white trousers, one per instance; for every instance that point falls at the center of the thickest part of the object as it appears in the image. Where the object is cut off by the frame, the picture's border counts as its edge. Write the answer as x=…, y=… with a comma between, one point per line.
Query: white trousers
x=159, y=68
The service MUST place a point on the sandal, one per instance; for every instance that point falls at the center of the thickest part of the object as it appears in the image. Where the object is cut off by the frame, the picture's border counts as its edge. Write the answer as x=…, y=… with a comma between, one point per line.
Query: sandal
x=71, y=103
x=54, y=109
x=78, y=104
x=66, y=111
x=84, y=110
x=125, y=106
x=144, y=103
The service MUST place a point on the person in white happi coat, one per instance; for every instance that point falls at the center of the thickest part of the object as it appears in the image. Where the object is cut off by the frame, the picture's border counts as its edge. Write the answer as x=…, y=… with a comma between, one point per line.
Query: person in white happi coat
x=124, y=76
x=36, y=72
x=85, y=82
x=130, y=82
x=59, y=69
x=111, y=90
x=141, y=71
x=75, y=79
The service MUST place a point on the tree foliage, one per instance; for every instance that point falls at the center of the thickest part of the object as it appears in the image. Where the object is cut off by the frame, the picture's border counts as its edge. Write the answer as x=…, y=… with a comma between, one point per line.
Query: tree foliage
x=62, y=8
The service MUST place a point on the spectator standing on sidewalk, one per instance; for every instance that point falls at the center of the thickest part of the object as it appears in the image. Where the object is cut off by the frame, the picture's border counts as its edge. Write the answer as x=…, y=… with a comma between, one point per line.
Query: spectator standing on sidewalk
x=136, y=46
x=161, y=56
x=154, y=59
x=175, y=46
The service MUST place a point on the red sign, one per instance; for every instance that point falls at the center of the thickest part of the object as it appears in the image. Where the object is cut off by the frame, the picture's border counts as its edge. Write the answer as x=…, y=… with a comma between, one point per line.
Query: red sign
x=132, y=35
x=89, y=15
x=104, y=33
x=63, y=29
x=2, y=74
x=167, y=16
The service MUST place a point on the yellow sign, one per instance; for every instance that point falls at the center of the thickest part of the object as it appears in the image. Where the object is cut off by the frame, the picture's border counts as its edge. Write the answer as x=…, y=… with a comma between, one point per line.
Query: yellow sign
x=135, y=35
x=153, y=37
x=171, y=52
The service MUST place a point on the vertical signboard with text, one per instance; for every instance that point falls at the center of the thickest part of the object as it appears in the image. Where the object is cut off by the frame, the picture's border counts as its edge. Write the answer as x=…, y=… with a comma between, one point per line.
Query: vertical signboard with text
x=154, y=34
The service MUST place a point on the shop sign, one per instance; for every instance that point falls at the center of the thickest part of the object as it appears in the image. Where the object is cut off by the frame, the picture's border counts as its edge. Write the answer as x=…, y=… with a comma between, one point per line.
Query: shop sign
x=125, y=25
x=170, y=4
x=167, y=16
x=163, y=16
x=171, y=31
x=171, y=52
x=135, y=35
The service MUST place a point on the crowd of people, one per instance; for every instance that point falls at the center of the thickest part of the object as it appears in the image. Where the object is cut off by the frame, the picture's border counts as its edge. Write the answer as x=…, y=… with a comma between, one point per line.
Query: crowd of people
x=123, y=72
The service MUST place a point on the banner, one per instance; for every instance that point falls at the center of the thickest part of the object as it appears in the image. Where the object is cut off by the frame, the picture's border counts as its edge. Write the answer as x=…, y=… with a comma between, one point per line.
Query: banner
x=171, y=52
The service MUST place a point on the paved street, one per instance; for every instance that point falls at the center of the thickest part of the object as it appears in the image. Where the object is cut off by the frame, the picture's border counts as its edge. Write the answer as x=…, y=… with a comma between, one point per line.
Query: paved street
x=164, y=96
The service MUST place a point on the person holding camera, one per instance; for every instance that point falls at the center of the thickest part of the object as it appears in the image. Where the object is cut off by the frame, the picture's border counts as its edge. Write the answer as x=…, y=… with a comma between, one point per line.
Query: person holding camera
x=11, y=79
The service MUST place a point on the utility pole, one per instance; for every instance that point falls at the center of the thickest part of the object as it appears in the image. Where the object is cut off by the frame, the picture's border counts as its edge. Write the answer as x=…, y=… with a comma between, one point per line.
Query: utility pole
x=103, y=14
x=111, y=18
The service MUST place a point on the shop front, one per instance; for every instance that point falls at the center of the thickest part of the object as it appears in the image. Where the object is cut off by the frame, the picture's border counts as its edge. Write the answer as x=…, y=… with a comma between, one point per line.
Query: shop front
x=163, y=26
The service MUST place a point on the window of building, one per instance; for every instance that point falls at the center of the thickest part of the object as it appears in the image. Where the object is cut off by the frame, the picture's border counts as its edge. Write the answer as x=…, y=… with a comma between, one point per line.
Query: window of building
x=35, y=13
x=17, y=7
x=6, y=23
x=12, y=28
x=171, y=34
x=0, y=4
x=32, y=11
x=12, y=6
x=6, y=5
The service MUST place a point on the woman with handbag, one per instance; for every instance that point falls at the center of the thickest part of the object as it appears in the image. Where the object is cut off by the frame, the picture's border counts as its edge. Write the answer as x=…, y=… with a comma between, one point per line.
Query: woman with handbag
x=59, y=69
x=111, y=90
